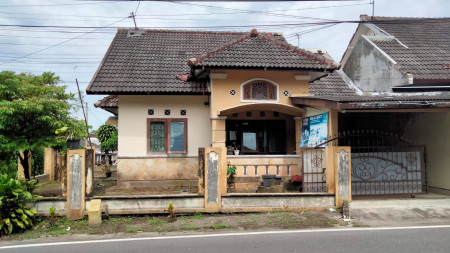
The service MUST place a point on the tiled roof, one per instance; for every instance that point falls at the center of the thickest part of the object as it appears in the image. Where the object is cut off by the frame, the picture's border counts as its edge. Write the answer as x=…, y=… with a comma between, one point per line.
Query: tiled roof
x=109, y=103
x=156, y=61
x=263, y=50
x=427, y=41
x=334, y=87
x=149, y=60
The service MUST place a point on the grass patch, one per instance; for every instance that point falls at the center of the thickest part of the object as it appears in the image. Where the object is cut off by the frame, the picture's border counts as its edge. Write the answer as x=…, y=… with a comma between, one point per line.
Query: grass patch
x=197, y=216
x=156, y=222
x=131, y=230
x=217, y=226
x=189, y=227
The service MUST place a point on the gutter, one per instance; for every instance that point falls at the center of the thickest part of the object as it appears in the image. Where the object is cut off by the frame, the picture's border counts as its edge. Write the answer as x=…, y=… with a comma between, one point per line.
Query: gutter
x=420, y=88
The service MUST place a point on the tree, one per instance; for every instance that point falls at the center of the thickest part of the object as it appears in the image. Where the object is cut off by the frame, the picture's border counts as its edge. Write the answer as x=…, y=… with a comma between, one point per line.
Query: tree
x=108, y=136
x=32, y=108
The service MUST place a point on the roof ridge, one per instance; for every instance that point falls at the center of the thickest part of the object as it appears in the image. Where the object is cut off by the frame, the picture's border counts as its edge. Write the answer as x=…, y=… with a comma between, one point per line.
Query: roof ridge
x=195, y=61
x=264, y=36
x=321, y=59
x=145, y=31
x=387, y=18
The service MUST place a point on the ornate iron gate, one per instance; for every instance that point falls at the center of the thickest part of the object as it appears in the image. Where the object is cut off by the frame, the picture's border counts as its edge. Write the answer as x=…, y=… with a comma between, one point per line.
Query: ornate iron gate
x=313, y=170
x=384, y=163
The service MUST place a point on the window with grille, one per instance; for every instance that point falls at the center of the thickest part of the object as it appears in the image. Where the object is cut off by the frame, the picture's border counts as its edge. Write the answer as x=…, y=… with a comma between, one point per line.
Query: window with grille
x=259, y=90
x=167, y=135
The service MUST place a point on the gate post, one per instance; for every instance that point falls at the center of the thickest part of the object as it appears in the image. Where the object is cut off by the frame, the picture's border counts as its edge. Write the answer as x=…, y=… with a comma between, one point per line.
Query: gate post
x=343, y=176
x=338, y=173
x=215, y=177
x=331, y=167
x=50, y=163
x=80, y=178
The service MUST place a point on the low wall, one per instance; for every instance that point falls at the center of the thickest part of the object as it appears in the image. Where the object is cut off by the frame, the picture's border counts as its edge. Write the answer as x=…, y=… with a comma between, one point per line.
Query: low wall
x=183, y=203
x=149, y=171
x=193, y=203
x=243, y=202
x=43, y=206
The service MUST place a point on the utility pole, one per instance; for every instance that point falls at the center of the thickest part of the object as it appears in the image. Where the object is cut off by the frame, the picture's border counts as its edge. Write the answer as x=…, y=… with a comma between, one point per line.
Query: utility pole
x=87, y=118
x=82, y=108
x=134, y=20
x=298, y=39
x=373, y=7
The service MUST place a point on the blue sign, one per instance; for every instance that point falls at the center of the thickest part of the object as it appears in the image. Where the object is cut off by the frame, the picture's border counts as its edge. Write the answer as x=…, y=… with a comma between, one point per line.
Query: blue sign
x=314, y=130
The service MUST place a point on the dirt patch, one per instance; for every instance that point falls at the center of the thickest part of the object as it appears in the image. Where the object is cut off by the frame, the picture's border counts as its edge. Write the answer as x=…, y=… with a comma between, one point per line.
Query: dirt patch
x=184, y=223
x=49, y=189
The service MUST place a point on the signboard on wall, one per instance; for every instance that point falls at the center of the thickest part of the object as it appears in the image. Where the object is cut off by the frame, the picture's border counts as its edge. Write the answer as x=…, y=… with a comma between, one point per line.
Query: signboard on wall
x=314, y=130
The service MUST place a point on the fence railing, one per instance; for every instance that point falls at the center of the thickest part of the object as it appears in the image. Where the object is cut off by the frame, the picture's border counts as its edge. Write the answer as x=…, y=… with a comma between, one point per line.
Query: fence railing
x=258, y=166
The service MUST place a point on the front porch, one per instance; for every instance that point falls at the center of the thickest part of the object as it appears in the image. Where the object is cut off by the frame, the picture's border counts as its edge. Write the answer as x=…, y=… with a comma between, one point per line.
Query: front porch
x=251, y=168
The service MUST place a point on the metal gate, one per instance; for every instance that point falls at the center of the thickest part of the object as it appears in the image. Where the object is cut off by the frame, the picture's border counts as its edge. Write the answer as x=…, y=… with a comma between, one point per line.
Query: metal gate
x=313, y=170
x=384, y=163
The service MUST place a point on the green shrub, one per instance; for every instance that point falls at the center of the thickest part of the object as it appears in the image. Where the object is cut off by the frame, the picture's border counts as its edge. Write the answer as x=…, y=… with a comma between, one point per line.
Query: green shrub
x=14, y=214
x=52, y=216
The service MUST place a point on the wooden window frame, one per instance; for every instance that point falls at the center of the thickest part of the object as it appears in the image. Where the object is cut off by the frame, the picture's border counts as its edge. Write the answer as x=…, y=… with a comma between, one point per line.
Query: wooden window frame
x=167, y=122
x=251, y=99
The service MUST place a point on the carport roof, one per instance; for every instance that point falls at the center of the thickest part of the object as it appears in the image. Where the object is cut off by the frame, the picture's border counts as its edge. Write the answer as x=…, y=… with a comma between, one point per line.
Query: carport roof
x=338, y=91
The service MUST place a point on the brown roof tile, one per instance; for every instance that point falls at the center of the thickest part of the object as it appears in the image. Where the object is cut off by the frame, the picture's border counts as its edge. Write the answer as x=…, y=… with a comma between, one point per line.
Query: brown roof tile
x=152, y=61
x=334, y=88
x=260, y=50
x=149, y=60
x=427, y=42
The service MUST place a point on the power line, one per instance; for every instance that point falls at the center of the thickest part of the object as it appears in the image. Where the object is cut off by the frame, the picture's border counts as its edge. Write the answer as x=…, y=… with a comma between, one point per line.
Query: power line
x=54, y=31
x=43, y=5
x=179, y=14
x=56, y=54
x=17, y=58
x=52, y=38
x=252, y=12
x=37, y=45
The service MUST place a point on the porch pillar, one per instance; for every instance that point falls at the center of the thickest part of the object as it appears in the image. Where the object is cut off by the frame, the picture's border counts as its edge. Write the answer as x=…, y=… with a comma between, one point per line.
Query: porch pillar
x=333, y=123
x=218, y=131
x=298, y=134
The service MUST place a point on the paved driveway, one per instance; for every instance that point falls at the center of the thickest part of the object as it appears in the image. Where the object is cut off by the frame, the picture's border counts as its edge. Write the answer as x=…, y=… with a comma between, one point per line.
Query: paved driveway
x=424, y=209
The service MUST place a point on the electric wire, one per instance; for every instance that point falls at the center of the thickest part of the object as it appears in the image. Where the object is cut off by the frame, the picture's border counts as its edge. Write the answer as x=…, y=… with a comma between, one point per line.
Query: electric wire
x=60, y=43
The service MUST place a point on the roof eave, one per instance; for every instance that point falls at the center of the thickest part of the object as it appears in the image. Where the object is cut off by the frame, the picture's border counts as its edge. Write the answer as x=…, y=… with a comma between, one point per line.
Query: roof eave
x=368, y=105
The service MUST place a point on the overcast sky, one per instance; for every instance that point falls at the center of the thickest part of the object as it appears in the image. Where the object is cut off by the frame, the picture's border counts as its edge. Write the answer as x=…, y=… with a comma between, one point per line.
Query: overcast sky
x=73, y=42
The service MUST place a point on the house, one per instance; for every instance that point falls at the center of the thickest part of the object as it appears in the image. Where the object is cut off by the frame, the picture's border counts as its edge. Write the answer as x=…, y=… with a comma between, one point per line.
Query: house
x=392, y=101
x=179, y=91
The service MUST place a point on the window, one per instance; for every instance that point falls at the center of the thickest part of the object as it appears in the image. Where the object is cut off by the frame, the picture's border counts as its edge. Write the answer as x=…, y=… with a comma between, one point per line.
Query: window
x=257, y=136
x=167, y=136
x=259, y=90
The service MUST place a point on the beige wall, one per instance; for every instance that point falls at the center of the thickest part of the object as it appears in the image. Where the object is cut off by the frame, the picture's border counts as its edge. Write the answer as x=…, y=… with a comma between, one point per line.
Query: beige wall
x=220, y=87
x=133, y=111
x=147, y=169
x=432, y=129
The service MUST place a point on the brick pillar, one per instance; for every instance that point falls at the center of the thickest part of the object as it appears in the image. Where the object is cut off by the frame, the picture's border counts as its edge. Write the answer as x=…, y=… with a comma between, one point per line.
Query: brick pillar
x=50, y=163
x=218, y=131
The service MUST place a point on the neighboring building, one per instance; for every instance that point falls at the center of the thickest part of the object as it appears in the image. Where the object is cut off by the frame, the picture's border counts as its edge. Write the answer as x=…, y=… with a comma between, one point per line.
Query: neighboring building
x=395, y=78
x=182, y=90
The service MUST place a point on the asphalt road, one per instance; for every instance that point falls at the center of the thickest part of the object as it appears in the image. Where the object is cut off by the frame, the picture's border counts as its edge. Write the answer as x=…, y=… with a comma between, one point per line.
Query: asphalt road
x=405, y=239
